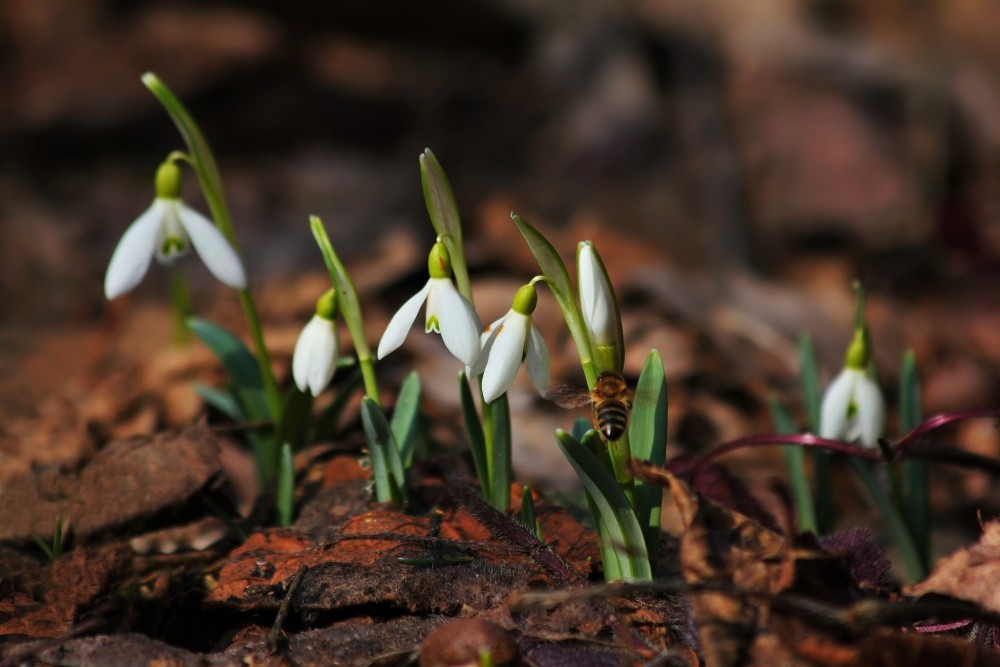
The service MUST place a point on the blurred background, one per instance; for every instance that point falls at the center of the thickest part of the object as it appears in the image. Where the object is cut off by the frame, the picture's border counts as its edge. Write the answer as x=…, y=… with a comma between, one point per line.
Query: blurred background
x=738, y=164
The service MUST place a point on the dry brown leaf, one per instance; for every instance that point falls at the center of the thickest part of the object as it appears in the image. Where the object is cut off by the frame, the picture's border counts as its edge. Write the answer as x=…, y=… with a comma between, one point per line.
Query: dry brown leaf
x=970, y=574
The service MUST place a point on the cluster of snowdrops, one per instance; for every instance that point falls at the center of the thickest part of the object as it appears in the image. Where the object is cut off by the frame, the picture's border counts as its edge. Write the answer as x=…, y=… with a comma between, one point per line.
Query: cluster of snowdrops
x=625, y=511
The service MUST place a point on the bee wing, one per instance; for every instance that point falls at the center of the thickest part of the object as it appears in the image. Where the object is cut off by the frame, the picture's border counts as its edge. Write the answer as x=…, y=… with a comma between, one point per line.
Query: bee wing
x=567, y=395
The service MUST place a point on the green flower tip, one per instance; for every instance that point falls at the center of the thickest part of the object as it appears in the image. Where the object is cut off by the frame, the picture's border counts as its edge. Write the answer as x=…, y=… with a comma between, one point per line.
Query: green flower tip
x=168, y=181
x=857, y=352
x=326, y=305
x=525, y=300
x=439, y=261
x=149, y=79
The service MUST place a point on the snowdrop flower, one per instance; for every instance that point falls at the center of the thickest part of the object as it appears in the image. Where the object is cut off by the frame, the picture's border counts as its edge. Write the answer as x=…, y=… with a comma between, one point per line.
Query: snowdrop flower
x=448, y=313
x=167, y=229
x=509, y=341
x=315, y=356
x=597, y=300
x=853, y=407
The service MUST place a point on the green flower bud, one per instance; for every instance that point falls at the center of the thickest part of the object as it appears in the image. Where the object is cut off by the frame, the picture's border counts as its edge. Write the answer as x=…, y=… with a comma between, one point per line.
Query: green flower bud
x=168, y=181
x=439, y=262
x=525, y=300
x=857, y=352
x=326, y=305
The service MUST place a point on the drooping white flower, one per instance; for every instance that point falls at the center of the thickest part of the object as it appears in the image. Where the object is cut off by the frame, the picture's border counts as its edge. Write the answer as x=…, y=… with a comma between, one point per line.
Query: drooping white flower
x=509, y=341
x=166, y=230
x=597, y=301
x=448, y=313
x=315, y=356
x=853, y=407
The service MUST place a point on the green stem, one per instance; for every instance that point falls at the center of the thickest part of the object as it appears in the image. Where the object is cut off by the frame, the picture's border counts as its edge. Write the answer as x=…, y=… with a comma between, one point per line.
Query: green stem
x=620, y=453
x=263, y=358
x=203, y=161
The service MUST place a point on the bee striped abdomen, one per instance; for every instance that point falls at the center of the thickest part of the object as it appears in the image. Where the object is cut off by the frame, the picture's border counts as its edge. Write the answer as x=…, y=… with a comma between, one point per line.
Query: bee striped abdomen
x=612, y=402
x=611, y=418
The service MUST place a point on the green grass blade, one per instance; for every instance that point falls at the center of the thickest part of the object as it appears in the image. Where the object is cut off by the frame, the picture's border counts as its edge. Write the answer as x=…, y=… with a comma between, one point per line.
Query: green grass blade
x=620, y=527
x=795, y=460
x=387, y=467
x=405, y=417
x=558, y=281
x=286, y=487
x=648, y=440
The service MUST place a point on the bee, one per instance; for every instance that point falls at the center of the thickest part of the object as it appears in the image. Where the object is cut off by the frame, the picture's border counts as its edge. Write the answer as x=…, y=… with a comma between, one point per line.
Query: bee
x=610, y=399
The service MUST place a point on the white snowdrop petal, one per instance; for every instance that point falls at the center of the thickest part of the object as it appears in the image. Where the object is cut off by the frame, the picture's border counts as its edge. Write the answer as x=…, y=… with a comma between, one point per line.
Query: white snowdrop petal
x=833, y=411
x=213, y=248
x=485, y=346
x=595, y=298
x=505, y=355
x=134, y=252
x=459, y=323
x=315, y=356
x=401, y=322
x=537, y=361
x=871, y=411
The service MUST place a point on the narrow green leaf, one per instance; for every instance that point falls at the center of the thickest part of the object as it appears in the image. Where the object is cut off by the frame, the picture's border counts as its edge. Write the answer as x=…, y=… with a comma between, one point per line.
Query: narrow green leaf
x=558, y=281
x=580, y=428
x=795, y=460
x=648, y=427
x=916, y=474
x=239, y=362
x=916, y=569
x=621, y=528
x=222, y=400
x=286, y=487
x=405, y=417
x=439, y=197
x=443, y=211
x=648, y=440
x=499, y=452
x=593, y=443
x=812, y=391
x=200, y=153
x=350, y=306
x=812, y=394
x=387, y=467
x=910, y=409
x=477, y=439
